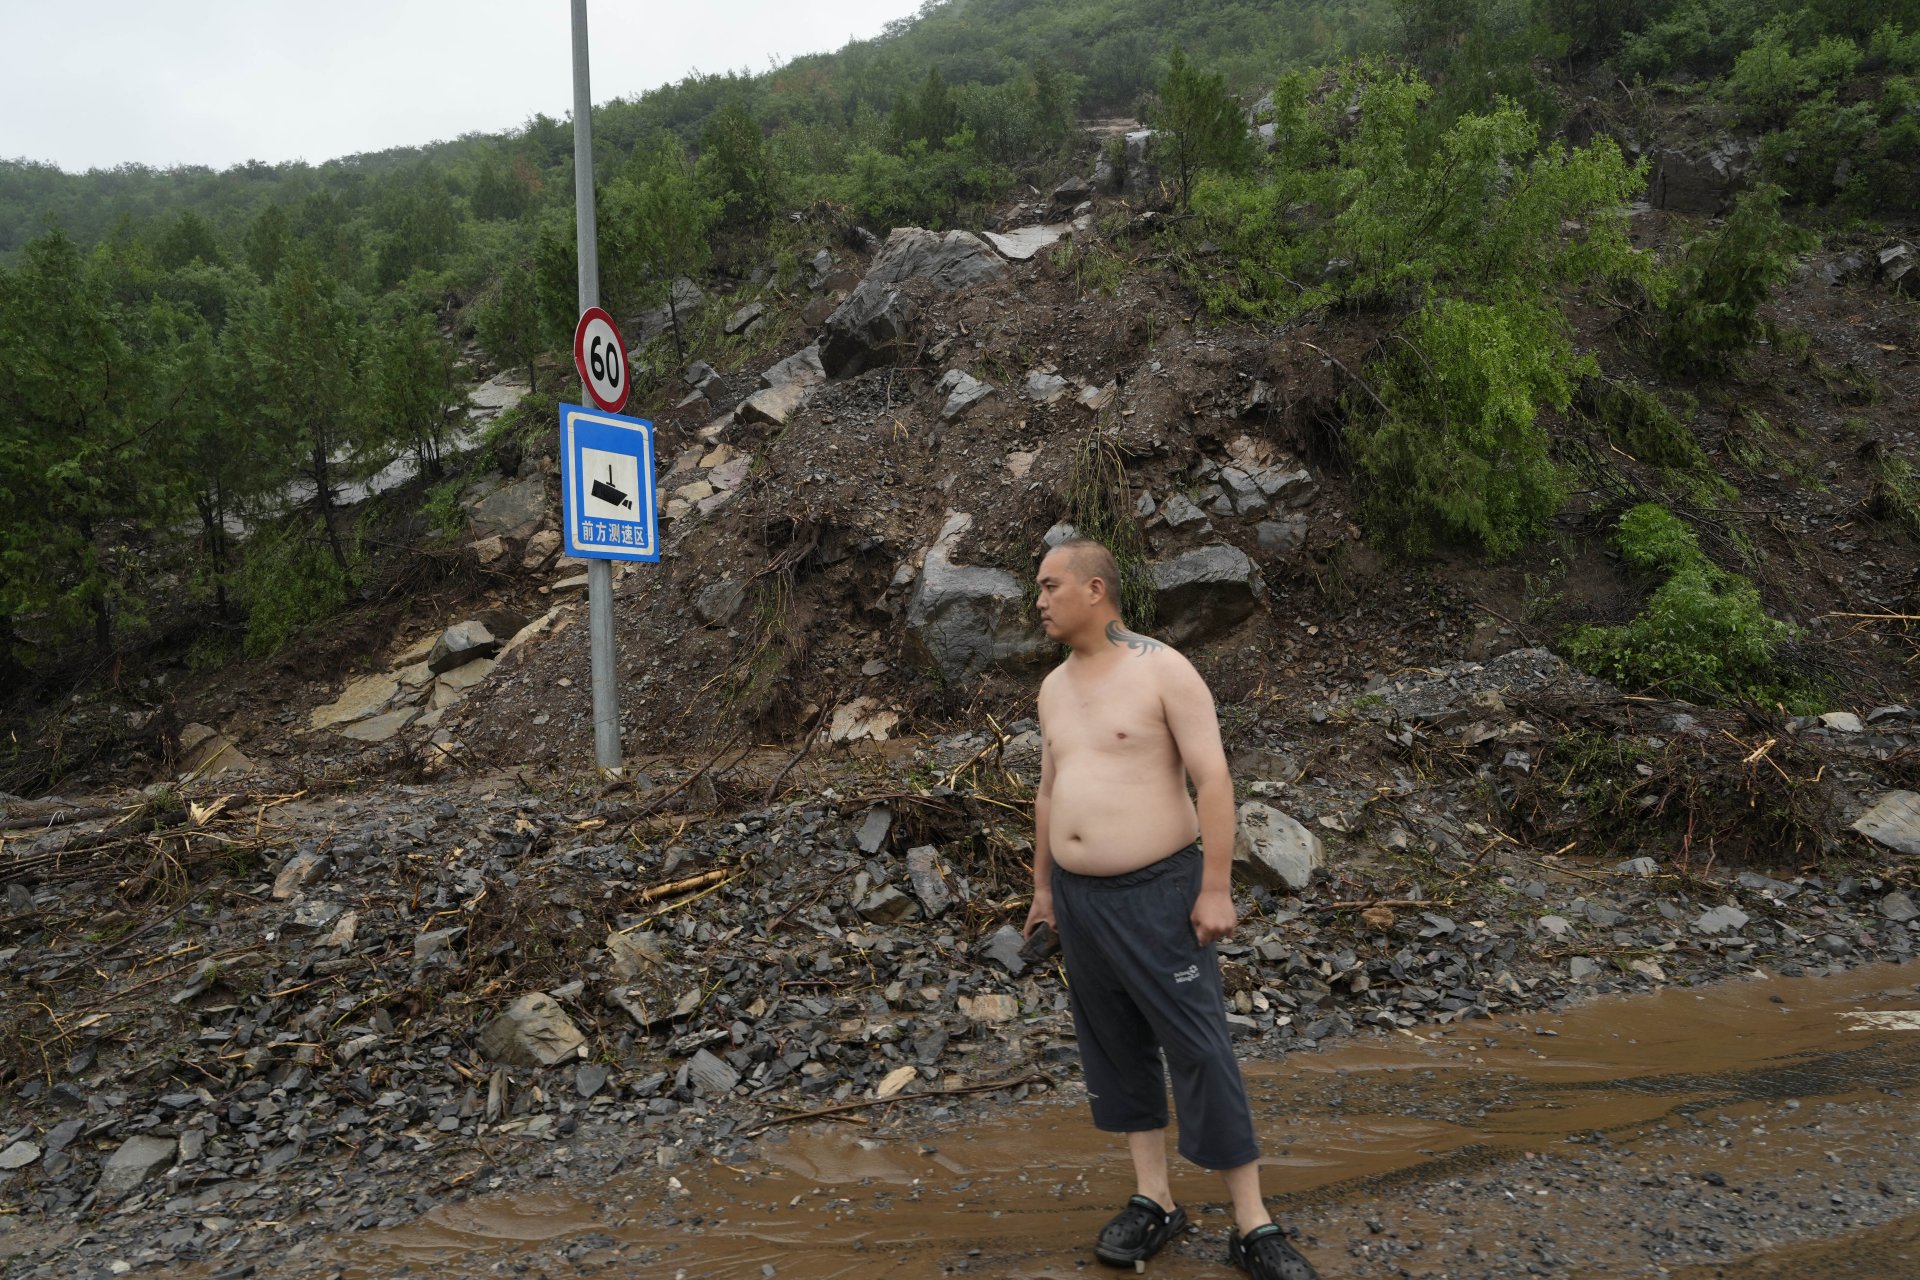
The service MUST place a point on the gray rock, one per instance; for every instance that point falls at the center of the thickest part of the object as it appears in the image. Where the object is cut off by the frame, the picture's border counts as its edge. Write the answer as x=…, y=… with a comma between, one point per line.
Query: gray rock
x=205, y=751
x=887, y=905
x=461, y=643
x=533, y=1031
x=1242, y=492
x=1273, y=849
x=1894, y=821
x=1142, y=173
x=299, y=871
x=1841, y=721
x=1205, y=593
x=952, y=261
x=1700, y=183
x=1724, y=919
x=1072, y=192
x=1023, y=244
x=590, y=1079
x=1282, y=537
x=776, y=405
x=699, y=374
x=131, y=1165
x=1642, y=866
x=1059, y=533
x=742, y=320
x=867, y=330
x=873, y=829
x=1003, y=949
x=711, y=1075
x=927, y=875
x=1898, y=907
x=1558, y=926
x=19, y=1155
x=62, y=1134
x=435, y=945
x=686, y=295
x=632, y=954
x=512, y=512
x=963, y=392
x=1180, y=513
x=720, y=601
x=1582, y=969
x=965, y=619
x=803, y=367
x=1045, y=387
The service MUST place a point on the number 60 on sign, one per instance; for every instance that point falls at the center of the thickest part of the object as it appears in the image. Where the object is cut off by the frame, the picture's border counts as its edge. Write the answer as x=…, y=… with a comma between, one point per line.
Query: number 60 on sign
x=601, y=358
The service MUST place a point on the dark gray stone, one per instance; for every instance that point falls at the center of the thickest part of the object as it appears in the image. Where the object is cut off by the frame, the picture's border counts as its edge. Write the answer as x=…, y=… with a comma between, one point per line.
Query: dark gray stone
x=1282, y=537
x=1003, y=949
x=1205, y=593
x=867, y=330
x=1700, y=183
x=711, y=1075
x=928, y=877
x=720, y=601
x=461, y=643
x=964, y=619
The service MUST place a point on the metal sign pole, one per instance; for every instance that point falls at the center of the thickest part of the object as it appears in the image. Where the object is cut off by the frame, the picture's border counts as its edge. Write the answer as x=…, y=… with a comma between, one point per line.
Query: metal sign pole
x=606, y=696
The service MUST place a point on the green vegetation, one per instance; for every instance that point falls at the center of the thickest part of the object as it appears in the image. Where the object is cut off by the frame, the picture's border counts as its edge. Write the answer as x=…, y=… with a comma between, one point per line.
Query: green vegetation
x=1703, y=635
x=1712, y=315
x=186, y=353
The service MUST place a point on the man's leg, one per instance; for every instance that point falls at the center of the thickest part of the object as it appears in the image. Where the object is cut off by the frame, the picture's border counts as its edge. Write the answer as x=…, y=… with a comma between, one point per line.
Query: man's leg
x=1149, y=1150
x=1243, y=1184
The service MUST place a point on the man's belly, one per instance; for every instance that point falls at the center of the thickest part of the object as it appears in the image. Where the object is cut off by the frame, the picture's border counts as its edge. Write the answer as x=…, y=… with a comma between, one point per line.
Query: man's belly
x=1108, y=825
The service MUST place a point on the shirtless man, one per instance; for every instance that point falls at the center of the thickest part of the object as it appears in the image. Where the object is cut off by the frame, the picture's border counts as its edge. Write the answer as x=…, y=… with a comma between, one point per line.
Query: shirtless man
x=1125, y=722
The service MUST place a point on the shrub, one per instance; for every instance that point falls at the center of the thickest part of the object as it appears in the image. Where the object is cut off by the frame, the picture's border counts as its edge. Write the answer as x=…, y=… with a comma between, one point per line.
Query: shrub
x=1642, y=427
x=1703, y=634
x=1455, y=451
x=290, y=582
x=1713, y=312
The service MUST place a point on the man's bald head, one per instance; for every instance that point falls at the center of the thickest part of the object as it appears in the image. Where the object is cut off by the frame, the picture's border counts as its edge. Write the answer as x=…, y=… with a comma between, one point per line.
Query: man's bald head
x=1087, y=560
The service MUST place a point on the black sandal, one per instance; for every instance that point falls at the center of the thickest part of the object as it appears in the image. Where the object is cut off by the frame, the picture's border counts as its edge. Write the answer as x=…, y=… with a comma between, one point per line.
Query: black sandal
x=1138, y=1231
x=1265, y=1253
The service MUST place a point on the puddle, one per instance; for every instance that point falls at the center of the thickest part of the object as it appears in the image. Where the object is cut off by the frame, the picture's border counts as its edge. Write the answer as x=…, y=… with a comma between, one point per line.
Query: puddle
x=1622, y=1093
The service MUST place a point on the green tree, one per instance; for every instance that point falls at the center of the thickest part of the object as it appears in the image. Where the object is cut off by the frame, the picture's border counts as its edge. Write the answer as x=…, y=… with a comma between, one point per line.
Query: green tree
x=187, y=239
x=656, y=229
x=76, y=431
x=930, y=116
x=296, y=368
x=507, y=319
x=736, y=169
x=268, y=238
x=415, y=388
x=1201, y=125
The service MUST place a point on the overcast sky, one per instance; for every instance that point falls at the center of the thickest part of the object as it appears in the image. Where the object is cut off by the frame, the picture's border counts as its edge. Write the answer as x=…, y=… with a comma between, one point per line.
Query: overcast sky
x=95, y=83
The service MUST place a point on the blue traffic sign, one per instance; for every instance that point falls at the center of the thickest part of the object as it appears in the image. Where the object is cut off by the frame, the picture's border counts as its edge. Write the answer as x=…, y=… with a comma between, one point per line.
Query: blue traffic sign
x=608, y=507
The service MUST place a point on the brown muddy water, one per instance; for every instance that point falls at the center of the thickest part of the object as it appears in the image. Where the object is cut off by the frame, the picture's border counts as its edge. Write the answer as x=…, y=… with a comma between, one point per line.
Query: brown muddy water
x=1756, y=1129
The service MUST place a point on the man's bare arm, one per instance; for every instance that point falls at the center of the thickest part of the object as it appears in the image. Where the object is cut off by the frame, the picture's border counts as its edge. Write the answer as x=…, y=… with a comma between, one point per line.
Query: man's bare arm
x=1042, y=909
x=1195, y=728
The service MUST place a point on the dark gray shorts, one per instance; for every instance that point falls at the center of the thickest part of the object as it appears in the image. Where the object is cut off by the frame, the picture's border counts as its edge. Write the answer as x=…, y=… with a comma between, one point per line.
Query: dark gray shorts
x=1140, y=984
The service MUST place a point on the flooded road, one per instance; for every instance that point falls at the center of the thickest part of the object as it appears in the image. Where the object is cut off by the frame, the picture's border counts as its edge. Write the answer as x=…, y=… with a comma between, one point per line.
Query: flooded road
x=1757, y=1129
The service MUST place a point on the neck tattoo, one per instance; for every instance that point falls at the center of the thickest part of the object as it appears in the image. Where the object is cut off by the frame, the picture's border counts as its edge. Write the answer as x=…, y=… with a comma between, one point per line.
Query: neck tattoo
x=1117, y=634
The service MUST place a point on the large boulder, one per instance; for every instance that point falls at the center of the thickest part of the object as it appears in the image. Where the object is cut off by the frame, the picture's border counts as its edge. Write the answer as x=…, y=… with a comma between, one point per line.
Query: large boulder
x=867, y=330
x=1700, y=183
x=965, y=619
x=953, y=261
x=515, y=511
x=461, y=643
x=1205, y=593
x=803, y=367
x=870, y=327
x=531, y=1032
x=1273, y=849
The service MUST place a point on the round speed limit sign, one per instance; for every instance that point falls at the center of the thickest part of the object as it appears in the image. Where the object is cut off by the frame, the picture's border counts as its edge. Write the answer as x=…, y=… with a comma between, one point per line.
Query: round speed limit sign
x=601, y=358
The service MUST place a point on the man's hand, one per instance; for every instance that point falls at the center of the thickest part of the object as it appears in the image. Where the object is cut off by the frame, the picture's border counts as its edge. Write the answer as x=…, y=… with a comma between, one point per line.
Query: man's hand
x=1040, y=912
x=1213, y=916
